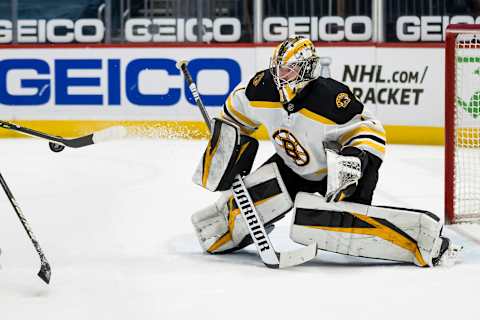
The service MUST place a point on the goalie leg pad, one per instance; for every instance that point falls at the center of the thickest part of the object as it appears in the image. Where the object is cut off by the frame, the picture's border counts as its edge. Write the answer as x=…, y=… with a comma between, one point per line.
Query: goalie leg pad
x=388, y=233
x=220, y=227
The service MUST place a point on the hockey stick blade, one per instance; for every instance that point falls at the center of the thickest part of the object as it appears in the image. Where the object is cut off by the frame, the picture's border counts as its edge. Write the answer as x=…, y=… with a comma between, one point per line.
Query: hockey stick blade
x=108, y=134
x=112, y=133
x=299, y=256
x=45, y=272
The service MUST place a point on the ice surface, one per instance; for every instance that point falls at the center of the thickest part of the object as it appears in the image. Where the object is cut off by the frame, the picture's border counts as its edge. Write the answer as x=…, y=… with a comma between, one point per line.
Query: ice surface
x=114, y=221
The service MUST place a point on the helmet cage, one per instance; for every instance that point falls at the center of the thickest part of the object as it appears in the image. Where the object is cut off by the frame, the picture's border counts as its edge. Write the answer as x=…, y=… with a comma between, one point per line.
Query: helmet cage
x=304, y=70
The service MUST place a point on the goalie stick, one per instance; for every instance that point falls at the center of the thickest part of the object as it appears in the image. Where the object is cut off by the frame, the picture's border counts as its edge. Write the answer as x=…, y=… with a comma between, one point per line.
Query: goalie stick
x=45, y=271
x=57, y=144
x=269, y=256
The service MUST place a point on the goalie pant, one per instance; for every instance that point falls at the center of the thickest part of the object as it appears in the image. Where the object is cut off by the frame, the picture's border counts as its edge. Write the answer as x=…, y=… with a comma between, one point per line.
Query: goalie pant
x=397, y=234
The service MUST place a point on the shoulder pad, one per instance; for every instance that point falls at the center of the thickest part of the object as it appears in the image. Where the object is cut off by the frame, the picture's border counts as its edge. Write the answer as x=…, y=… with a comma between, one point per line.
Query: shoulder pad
x=262, y=88
x=337, y=101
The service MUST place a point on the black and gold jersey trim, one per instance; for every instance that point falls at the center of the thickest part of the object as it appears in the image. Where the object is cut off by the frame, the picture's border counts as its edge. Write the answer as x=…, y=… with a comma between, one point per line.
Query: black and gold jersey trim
x=237, y=115
x=315, y=117
x=231, y=117
x=317, y=101
x=362, y=130
x=366, y=136
x=263, y=89
x=319, y=97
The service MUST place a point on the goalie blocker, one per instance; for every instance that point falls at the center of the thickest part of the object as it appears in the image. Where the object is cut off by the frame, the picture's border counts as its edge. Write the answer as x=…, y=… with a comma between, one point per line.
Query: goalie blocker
x=228, y=153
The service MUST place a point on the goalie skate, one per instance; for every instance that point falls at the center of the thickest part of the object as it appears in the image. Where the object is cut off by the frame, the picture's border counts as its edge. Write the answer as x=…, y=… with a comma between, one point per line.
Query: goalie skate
x=450, y=254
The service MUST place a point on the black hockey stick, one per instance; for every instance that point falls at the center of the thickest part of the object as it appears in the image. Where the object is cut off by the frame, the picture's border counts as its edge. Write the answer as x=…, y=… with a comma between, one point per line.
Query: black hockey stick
x=45, y=271
x=269, y=256
x=57, y=144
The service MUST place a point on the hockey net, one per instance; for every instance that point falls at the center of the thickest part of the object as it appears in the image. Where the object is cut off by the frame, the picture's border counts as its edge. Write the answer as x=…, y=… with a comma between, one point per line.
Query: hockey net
x=462, y=124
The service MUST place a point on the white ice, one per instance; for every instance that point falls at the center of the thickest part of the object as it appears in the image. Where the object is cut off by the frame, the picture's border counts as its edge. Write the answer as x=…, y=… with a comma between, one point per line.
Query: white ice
x=114, y=221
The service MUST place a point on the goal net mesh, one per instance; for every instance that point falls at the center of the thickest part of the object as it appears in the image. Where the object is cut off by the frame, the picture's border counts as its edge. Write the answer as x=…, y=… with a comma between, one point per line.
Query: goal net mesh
x=467, y=127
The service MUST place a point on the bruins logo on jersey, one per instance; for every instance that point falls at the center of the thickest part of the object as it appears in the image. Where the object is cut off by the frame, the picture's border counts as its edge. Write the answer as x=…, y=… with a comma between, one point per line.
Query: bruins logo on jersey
x=342, y=100
x=292, y=147
x=258, y=78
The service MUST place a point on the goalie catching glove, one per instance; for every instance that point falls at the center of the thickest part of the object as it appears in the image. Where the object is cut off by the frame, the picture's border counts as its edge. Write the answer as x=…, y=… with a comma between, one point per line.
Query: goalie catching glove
x=228, y=153
x=345, y=167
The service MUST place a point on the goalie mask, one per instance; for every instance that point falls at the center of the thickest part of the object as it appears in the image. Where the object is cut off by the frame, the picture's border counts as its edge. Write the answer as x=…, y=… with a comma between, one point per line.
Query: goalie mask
x=293, y=65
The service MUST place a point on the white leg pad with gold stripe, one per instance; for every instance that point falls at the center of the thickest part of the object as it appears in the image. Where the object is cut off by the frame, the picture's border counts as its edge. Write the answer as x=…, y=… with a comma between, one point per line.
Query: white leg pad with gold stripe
x=221, y=228
x=388, y=233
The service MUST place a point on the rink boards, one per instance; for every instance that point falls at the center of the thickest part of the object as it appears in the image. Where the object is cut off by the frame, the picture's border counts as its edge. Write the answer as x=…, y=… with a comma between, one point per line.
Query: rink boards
x=74, y=89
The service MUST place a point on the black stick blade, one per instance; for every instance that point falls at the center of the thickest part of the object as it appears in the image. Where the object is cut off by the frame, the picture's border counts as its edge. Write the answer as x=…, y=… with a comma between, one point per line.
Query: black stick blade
x=45, y=272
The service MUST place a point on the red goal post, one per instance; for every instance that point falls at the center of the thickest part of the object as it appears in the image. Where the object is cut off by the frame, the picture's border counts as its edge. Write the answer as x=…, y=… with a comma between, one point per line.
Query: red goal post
x=462, y=123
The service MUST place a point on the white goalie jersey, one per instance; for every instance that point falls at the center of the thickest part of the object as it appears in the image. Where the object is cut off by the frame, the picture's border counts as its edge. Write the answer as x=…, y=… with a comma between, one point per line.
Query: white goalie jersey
x=325, y=110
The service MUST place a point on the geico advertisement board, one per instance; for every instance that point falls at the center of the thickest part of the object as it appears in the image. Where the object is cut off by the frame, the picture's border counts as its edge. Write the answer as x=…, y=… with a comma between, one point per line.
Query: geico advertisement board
x=402, y=86
x=116, y=83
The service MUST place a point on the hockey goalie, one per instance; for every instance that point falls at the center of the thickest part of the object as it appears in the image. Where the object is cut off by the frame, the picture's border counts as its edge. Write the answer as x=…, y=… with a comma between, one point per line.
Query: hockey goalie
x=328, y=151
